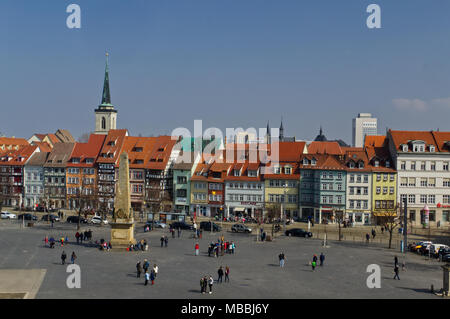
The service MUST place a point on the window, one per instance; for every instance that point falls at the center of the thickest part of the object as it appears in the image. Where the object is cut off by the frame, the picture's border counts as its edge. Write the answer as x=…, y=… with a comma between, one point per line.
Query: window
x=432, y=215
x=431, y=182
x=366, y=178
x=358, y=178
x=385, y=177
x=287, y=170
x=339, y=199
x=358, y=204
x=339, y=175
x=412, y=182
x=378, y=177
x=358, y=190
x=277, y=170
x=377, y=163
x=391, y=177
x=423, y=182
x=324, y=199
x=412, y=215
x=431, y=199
x=404, y=181
x=378, y=189
x=446, y=216
x=423, y=166
x=365, y=204
x=385, y=190
x=446, y=199
x=403, y=197
x=366, y=191
x=413, y=166
x=103, y=123
x=339, y=187
x=403, y=166
x=352, y=178
x=423, y=199
x=388, y=164
x=433, y=166
x=411, y=199
x=391, y=190
x=445, y=166
x=181, y=180
x=377, y=204
x=446, y=182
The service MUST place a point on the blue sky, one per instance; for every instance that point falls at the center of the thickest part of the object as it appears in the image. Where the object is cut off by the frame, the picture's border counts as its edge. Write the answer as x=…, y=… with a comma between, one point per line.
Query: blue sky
x=231, y=63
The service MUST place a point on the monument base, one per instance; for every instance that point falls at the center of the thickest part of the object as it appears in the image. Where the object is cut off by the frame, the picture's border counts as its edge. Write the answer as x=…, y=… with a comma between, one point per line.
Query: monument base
x=122, y=234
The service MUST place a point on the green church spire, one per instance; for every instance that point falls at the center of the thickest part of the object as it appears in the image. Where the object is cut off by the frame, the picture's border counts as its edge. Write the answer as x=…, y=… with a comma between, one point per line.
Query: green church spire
x=106, y=97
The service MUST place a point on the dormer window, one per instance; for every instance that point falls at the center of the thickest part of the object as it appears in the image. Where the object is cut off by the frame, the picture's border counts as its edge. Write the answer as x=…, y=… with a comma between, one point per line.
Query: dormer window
x=388, y=164
x=432, y=148
x=351, y=164
x=111, y=143
x=313, y=162
x=405, y=148
x=288, y=170
x=361, y=165
x=377, y=163
x=76, y=160
x=277, y=170
x=137, y=149
x=236, y=172
x=252, y=173
x=89, y=160
x=305, y=161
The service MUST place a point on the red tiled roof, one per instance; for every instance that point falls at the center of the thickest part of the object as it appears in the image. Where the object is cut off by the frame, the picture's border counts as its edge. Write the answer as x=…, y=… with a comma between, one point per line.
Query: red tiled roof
x=116, y=137
x=404, y=137
x=83, y=151
x=375, y=140
x=332, y=148
x=442, y=140
x=17, y=157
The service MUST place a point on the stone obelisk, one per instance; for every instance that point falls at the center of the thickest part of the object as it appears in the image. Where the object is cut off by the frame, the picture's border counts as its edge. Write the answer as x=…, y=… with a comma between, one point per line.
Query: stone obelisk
x=122, y=227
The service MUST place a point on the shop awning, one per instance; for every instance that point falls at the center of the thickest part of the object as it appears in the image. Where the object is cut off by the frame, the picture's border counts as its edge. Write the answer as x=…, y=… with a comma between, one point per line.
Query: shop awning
x=239, y=209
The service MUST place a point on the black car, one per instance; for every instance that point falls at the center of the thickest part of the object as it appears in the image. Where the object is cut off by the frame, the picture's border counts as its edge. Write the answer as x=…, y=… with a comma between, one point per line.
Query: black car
x=50, y=217
x=74, y=219
x=206, y=226
x=446, y=258
x=27, y=217
x=298, y=232
x=182, y=225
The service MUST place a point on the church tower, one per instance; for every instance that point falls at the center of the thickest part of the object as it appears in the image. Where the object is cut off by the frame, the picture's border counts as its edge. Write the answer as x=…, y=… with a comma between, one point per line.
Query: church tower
x=281, y=136
x=105, y=114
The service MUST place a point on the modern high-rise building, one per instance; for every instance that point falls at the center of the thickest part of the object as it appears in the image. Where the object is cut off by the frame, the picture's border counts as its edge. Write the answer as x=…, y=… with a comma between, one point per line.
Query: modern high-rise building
x=363, y=125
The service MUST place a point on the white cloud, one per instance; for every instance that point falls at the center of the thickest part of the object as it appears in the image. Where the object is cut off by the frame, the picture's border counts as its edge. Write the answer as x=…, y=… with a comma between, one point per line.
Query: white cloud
x=411, y=104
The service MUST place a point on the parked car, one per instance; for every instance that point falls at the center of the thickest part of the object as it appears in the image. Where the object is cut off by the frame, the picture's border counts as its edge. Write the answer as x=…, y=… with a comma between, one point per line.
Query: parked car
x=240, y=228
x=156, y=224
x=74, y=219
x=206, y=226
x=443, y=252
x=301, y=219
x=98, y=220
x=435, y=248
x=8, y=215
x=416, y=247
x=446, y=258
x=50, y=217
x=298, y=232
x=27, y=217
x=182, y=225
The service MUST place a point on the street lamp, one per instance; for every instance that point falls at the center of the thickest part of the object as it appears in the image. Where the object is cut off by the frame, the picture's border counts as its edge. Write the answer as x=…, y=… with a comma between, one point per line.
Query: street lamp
x=282, y=206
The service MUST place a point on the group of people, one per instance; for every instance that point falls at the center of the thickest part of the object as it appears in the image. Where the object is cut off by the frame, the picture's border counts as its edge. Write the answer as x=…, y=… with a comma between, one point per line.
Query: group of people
x=64, y=257
x=206, y=281
x=374, y=233
x=164, y=241
x=221, y=247
x=313, y=263
x=148, y=275
x=104, y=245
x=80, y=236
x=141, y=245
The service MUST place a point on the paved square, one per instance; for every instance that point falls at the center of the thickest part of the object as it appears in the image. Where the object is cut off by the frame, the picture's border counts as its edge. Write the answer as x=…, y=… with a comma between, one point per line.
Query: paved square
x=254, y=270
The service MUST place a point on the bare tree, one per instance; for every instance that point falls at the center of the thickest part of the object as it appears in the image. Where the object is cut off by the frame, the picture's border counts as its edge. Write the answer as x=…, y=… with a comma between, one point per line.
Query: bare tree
x=390, y=222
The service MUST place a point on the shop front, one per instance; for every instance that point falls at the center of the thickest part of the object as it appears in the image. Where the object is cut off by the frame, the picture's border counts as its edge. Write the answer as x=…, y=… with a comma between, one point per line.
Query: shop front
x=358, y=218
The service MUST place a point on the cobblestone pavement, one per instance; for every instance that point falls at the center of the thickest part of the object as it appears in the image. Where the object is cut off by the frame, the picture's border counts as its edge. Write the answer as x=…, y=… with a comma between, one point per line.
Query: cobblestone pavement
x=254, y=274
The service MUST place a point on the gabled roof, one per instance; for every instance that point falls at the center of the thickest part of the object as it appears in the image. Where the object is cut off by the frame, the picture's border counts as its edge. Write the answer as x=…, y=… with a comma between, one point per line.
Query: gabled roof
x=375, y=140
x=442, y=141
x=59, y=155
x=112, y=147
x=64, y=136
x=89, y=150
x=405, y=137
x=13, y=142
x=160, y=153
x=37, y=159
x=17, y=157
x=318, y=147
x=324, y=162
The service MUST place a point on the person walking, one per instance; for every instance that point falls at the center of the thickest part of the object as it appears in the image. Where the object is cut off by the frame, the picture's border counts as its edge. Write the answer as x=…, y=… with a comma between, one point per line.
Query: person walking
x=73, y=257
x=220, y=273
x=395, y=261
x=315, y=258
x=146, y=265
x=45, y=240
x=152, y=277
x=138, y=269
x=166, y=240
x=197, y=249
x=155, y=270
x=147, y=278
x=162, y=241
x=313, y=264
x=63, y=257
x=367, y=238
x=322, y=259
x=281, y=258
x=374, y=233
x=202, y=285
x=77, y=237
x=396, y=272
x=210, y=283
x=227, y=274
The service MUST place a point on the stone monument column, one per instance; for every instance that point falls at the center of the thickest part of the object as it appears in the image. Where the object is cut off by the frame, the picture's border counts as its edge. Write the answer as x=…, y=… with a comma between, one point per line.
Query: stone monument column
x=122, y=227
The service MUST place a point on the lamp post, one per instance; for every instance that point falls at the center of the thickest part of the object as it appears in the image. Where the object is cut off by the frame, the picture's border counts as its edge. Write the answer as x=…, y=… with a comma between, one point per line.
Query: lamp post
x=282, y=207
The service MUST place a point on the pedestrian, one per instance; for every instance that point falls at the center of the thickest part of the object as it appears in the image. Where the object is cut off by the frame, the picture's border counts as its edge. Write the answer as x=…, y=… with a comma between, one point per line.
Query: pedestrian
x=138, y=269
x=313, y=264
x=382, y=230
x=155, y=270
x=205, y=284
x=202, y=281
x=162, y=241
x=367, y=238
x=172, y=232
x=395, y=261
x=281, y=257
x=220, y=273
x=46, y=241
x=63, y=257
x=166, y=240
x=147, y=278
x=396, y=272
x=315, y=258
x=197, y=249
x=152, y=277
x=227, y=274
x=373, y=233
x=77, y=237
x=66, y=240
x=179, y=232
x=210, y=283
x=322, y=259
x=73, y=257
x=233, y=247
x=146, y=265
